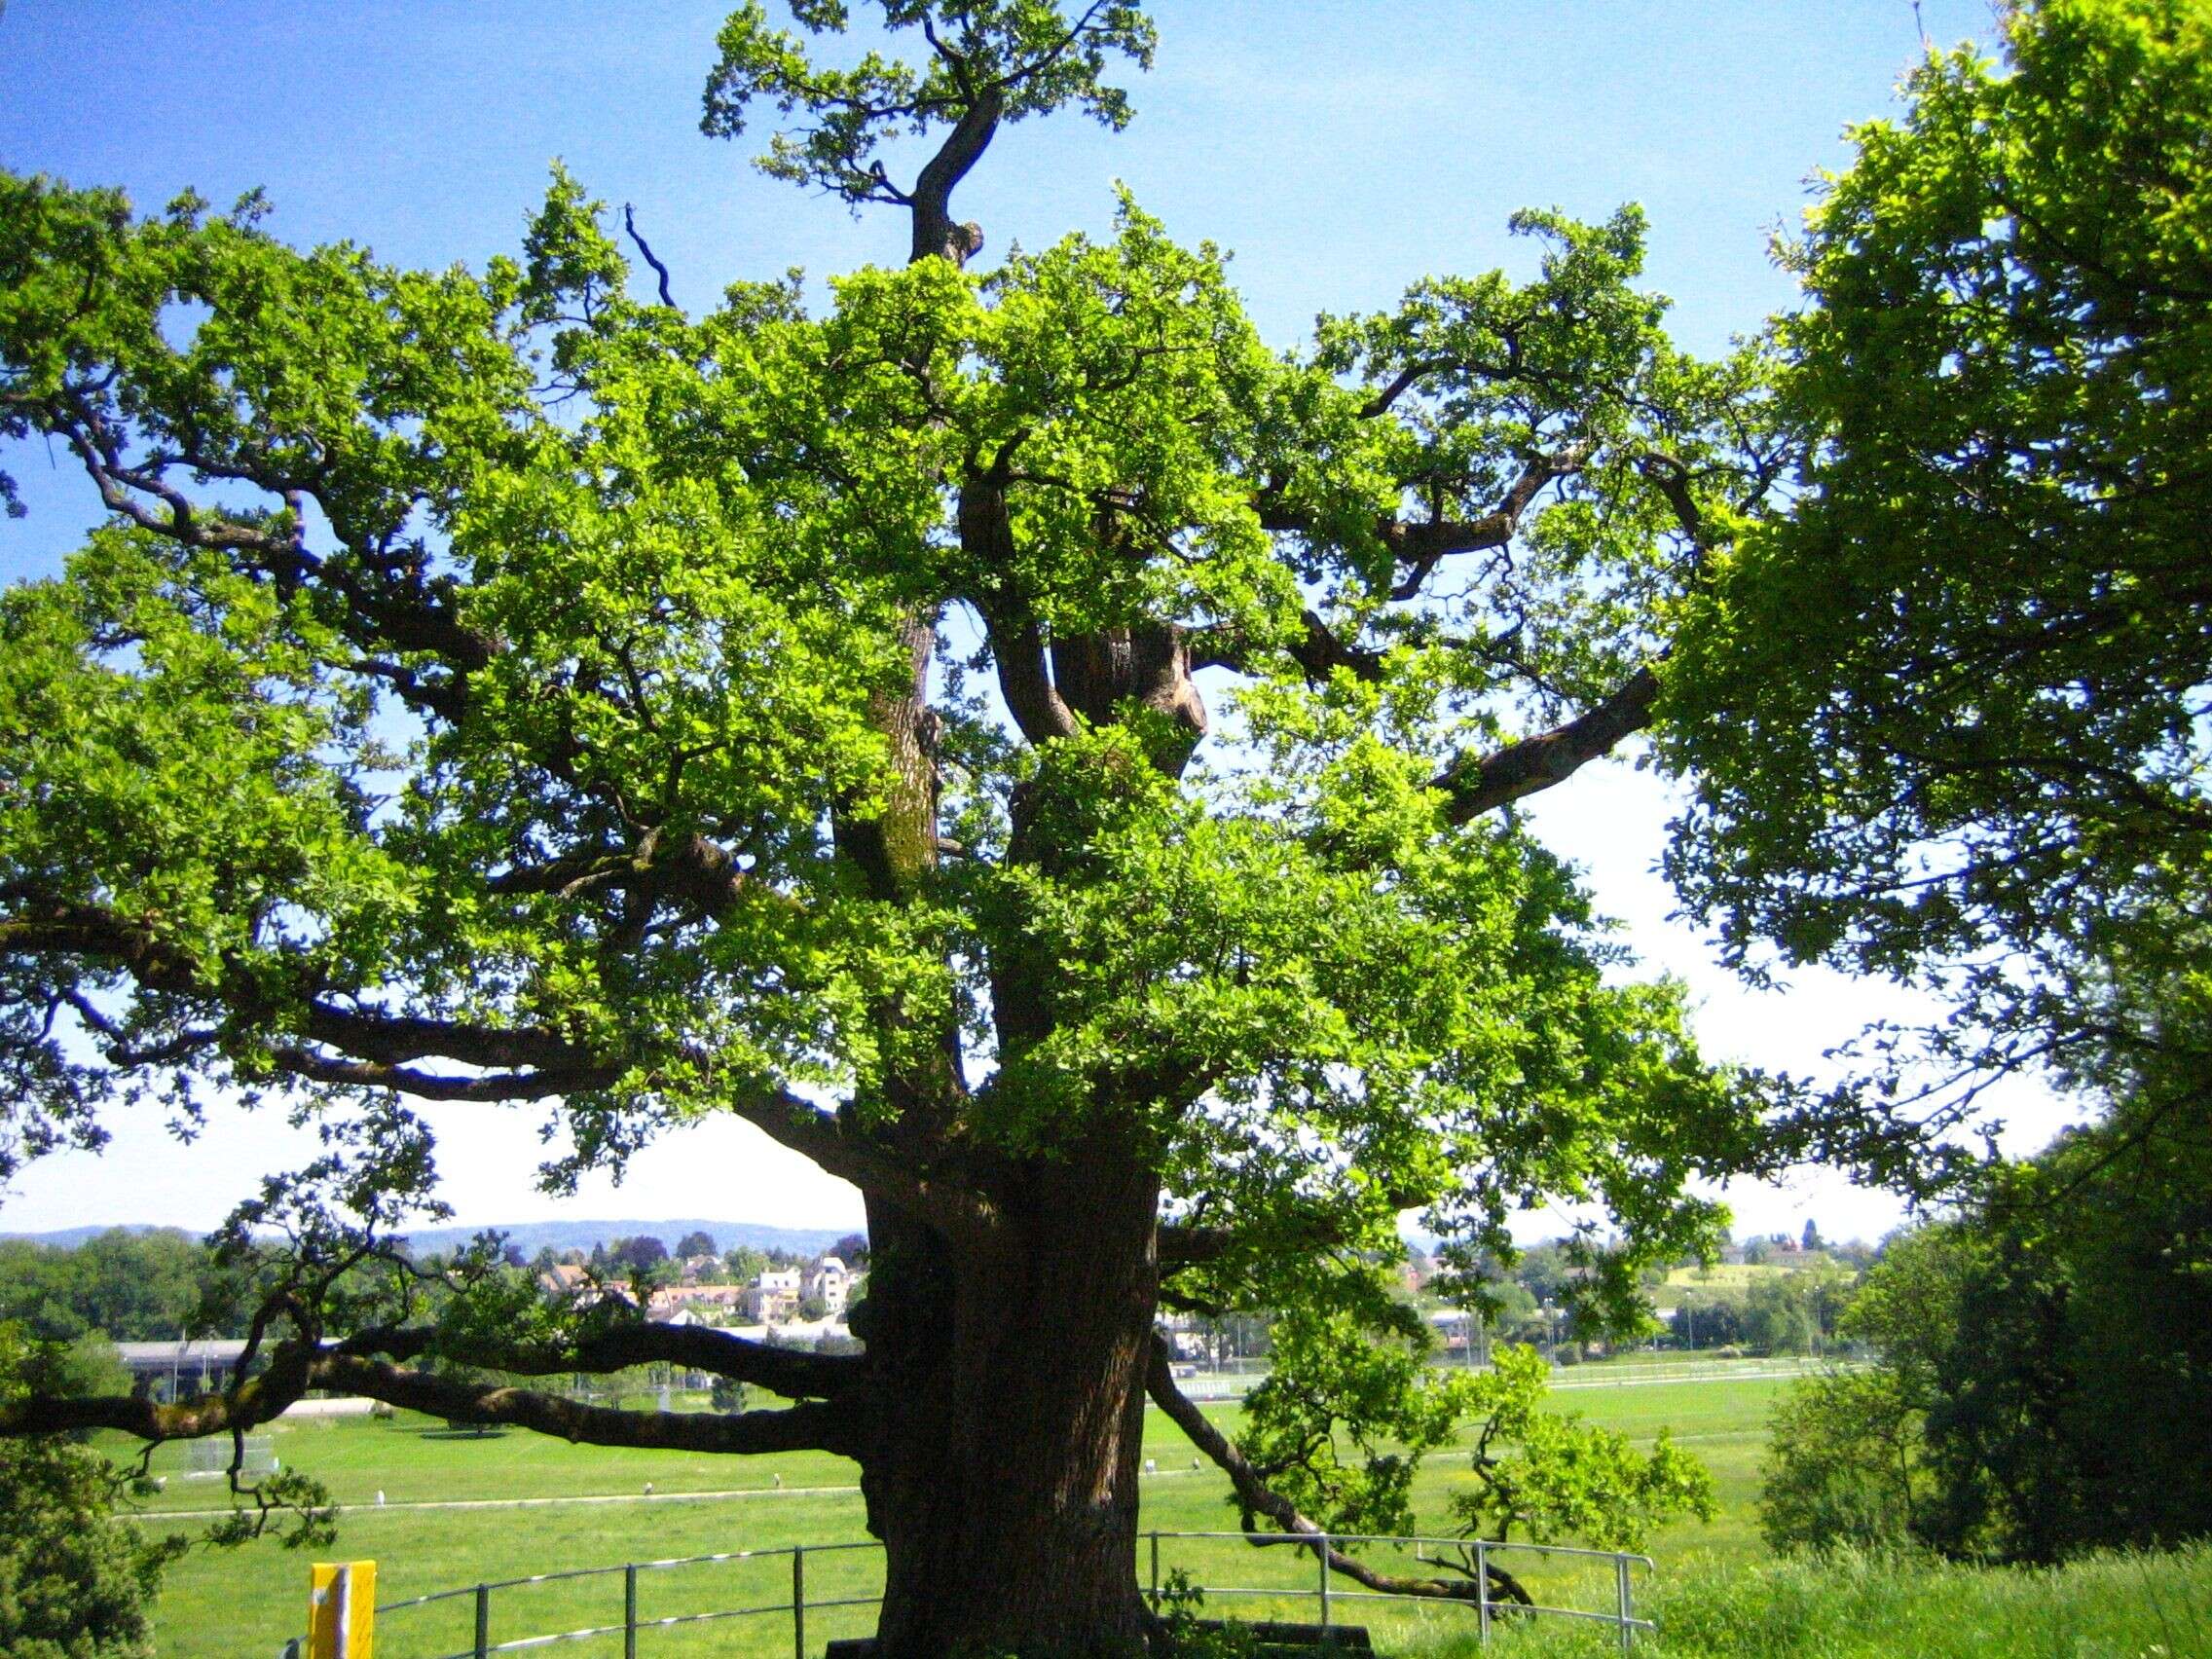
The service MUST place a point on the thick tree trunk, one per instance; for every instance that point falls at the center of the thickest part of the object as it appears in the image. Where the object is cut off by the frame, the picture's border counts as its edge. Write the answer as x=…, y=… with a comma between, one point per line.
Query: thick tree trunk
x=1003, y=1475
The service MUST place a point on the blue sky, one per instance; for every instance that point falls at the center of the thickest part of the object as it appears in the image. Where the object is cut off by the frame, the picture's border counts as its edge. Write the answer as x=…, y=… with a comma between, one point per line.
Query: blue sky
x=1339, y=148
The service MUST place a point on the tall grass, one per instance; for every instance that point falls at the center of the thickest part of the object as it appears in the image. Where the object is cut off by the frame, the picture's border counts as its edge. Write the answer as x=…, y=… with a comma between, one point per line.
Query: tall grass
x=1850, y=1606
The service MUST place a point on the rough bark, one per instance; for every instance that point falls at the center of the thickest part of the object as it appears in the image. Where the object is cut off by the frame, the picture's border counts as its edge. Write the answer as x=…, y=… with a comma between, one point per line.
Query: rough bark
x=1002, y=1469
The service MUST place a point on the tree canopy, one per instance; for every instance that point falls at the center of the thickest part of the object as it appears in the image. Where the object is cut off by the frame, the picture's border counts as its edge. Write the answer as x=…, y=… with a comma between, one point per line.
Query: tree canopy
x=1947, y=714
x=1009, y=734
x=2042, y=1365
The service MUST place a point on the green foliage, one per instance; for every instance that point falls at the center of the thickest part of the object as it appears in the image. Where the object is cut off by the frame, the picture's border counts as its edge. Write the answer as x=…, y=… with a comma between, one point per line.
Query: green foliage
x=1945, y=715
x=2044, y=1364
x=1025, y=55
x=1564, y=1479
x=129, y=1286
x=1543, y=1476
x=652, y=575
x=1776, y=1319
x=486, y=686
x=1393, y=1410
x=1845, y=1465
x=75, y=1581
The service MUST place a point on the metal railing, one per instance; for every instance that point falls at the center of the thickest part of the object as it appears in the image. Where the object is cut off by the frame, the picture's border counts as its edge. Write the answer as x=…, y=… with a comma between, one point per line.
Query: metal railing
x=1327, y=1589
x=1488, y=1609
x=632, y=1625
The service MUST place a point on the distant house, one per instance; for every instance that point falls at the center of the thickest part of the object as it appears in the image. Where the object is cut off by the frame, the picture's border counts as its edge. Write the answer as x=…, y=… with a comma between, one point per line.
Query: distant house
x=563, y=1278
x=773, y=1297
x=829, y=1284
x=572, y=1281
x=696, y=1304
x=181, y=1369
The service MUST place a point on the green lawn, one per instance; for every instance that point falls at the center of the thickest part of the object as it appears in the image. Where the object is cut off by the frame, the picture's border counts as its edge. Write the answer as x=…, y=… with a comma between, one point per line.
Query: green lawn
x=246, y=1602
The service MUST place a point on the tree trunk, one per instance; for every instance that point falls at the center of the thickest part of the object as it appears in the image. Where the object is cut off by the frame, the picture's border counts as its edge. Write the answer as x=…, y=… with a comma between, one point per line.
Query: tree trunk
x=1001, y=1477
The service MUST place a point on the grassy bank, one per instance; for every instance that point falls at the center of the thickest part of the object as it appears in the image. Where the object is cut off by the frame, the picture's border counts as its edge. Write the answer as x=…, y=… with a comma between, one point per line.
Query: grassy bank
x=2124, y=1606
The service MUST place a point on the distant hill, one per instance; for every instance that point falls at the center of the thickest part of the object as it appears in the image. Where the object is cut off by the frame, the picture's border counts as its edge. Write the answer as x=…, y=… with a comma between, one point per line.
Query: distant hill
x=531, y=1237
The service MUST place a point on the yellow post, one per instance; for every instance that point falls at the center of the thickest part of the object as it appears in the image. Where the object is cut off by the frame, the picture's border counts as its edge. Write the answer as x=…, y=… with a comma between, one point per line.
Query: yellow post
x=342, y=1609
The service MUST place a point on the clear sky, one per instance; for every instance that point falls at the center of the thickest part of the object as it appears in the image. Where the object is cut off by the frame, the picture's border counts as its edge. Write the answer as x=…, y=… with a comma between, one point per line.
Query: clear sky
x=1341, y=148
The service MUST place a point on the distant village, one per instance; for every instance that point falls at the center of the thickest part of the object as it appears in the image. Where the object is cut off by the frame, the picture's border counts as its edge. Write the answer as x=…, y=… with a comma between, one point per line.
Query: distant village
x=124, y=1298
x=747, y=1291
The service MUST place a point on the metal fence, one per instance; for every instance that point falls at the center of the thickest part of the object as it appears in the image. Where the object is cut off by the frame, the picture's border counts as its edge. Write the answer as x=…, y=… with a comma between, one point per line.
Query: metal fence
x=1488, y=1611
x=1329, y=1589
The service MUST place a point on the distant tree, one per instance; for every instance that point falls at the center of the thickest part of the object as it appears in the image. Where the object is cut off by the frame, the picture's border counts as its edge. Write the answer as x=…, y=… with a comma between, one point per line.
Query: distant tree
x=2045, y=1358
x=744, y=1264
x=852, y=1250
x=1543, y=1270
x=1844, y=1467
x=697, y=1243
x=1776, y=1319
x=1812, y=1238
x=1713, y=1323
x=124, y=1285
x=640, y=1254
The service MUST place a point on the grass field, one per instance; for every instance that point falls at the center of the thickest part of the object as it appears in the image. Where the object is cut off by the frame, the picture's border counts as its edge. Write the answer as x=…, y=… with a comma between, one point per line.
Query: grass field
x=248, y=1601
x=2155, y=1607
x=1726, y=1281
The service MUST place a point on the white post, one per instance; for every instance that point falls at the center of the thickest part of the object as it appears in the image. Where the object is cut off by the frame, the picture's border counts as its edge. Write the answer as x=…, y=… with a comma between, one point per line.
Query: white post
x=1482, y=1589
x=1321, y=1554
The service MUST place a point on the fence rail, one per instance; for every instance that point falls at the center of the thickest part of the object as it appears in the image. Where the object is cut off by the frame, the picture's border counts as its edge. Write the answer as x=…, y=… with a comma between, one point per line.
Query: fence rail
x=1328, y=1589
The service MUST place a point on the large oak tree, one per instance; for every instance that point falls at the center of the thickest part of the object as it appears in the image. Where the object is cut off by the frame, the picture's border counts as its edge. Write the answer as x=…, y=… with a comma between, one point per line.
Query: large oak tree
x=1015, y=738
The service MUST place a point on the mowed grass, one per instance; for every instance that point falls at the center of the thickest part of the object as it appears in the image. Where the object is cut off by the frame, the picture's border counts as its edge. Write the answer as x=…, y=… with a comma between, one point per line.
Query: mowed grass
x=249, y=1601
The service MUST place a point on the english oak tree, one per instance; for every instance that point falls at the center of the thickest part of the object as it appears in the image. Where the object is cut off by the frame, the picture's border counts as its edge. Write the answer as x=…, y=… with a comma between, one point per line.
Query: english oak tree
x=1012, y=737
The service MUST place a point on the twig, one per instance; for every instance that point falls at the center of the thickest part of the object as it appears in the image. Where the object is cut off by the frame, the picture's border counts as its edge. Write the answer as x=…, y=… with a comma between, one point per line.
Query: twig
x=630, y=224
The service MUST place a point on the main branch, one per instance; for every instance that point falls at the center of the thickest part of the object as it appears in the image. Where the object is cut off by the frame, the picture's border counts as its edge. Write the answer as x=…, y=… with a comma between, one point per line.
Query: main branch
x=1480, y=783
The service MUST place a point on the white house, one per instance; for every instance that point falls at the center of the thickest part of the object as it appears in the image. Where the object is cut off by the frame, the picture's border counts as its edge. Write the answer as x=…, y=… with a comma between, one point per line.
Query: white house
x=774, y=1295
x=829, y=1284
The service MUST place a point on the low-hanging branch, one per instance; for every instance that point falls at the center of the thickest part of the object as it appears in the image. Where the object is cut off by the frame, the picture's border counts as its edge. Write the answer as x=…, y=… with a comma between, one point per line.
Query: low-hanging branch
x=810, y=1426
x=295, y=1367
x=1256, y=1497
x=791, y=1372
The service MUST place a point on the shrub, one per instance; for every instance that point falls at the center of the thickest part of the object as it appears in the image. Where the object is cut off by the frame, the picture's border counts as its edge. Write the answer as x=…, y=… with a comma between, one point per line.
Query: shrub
x=75, y=1581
